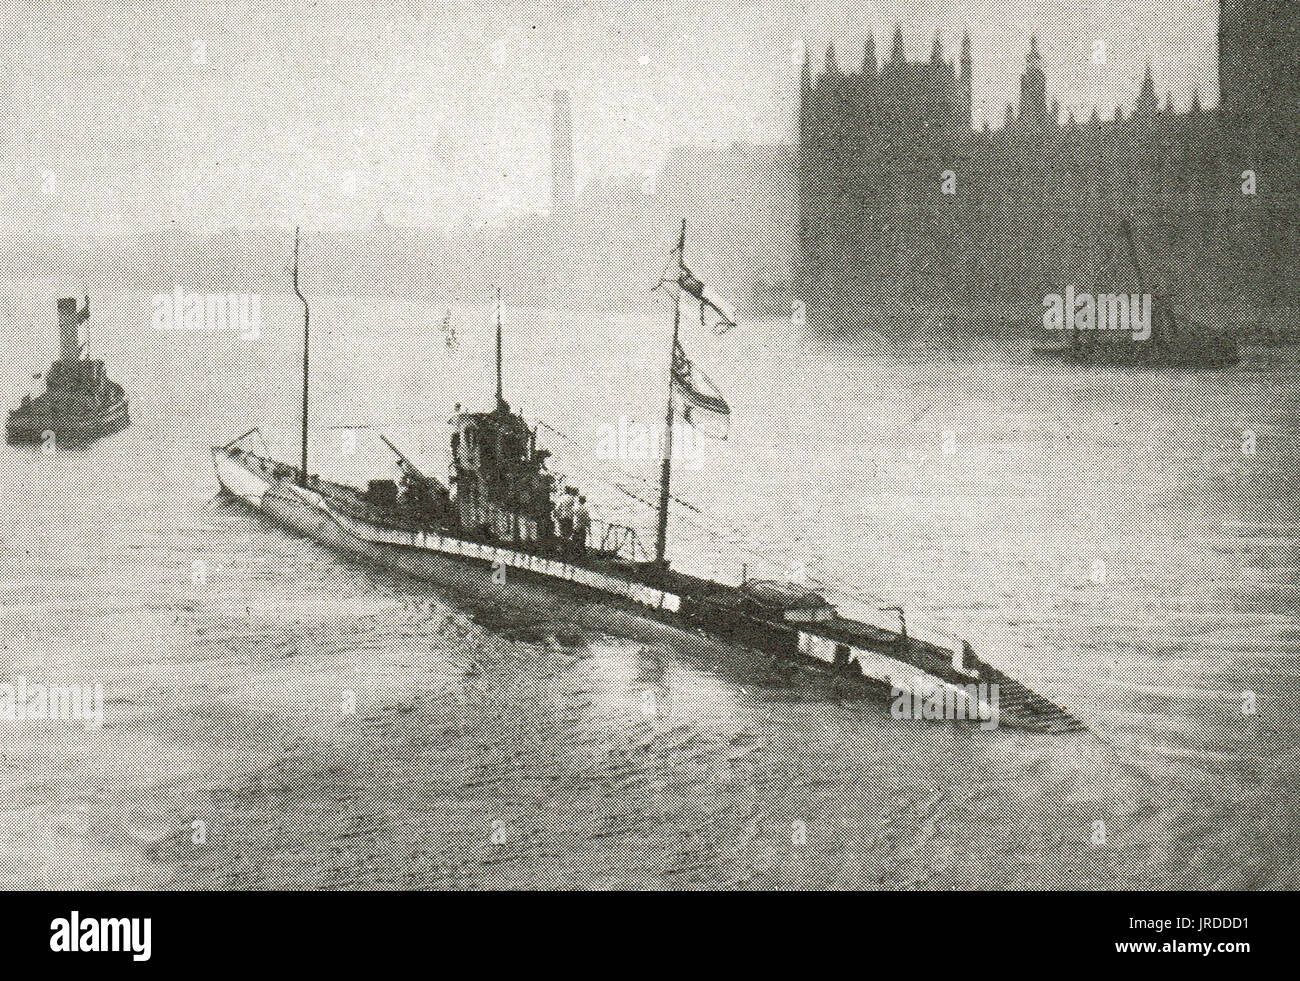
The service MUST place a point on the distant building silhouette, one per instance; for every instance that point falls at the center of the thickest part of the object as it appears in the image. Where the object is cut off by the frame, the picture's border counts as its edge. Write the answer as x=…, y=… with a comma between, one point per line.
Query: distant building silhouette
x=902, y=200
x=1258, y=45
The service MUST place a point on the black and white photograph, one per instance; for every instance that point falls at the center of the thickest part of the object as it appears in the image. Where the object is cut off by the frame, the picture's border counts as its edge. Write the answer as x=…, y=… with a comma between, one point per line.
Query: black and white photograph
x=639, y=445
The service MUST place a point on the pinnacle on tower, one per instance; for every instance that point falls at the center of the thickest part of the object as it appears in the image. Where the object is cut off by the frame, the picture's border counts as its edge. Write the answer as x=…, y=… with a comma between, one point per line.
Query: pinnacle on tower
x=1146, y=101
x=831, y=67
x=896, y=55
x=1033, y=88
x=936, y=53
x=869, y=64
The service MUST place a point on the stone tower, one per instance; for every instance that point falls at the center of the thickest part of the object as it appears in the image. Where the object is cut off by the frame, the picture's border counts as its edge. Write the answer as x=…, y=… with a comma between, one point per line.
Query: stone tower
x=1033, y=88
x=1258, y=45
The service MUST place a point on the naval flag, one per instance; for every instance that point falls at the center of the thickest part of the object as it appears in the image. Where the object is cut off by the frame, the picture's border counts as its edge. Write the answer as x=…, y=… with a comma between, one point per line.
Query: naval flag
x=710, y=303
x=699, y=402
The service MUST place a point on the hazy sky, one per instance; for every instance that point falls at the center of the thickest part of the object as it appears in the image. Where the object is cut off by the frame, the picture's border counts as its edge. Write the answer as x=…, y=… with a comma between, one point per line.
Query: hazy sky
x=219, y=114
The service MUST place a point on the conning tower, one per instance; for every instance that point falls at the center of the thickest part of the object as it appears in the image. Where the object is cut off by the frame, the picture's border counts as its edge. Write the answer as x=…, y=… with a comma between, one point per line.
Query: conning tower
x=500, y=483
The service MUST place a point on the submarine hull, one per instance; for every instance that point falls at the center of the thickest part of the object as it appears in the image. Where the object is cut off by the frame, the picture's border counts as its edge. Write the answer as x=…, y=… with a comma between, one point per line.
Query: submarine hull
x=557, y=592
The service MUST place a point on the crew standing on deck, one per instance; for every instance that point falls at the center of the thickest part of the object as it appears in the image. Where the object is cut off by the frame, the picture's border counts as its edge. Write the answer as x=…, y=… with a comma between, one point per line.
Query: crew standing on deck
x=564, y=511
x=581, y=525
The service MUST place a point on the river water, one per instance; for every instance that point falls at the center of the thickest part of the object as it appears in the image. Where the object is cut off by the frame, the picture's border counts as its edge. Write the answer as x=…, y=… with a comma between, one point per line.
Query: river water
x=1126, y=542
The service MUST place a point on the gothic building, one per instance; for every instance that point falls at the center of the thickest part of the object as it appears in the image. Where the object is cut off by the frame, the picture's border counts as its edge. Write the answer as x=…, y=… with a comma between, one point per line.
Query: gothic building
x=901, y=200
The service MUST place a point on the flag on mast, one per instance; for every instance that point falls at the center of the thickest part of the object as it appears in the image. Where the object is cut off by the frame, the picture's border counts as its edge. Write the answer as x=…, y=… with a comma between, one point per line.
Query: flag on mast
x=723, y=312
x=699, y=402
x=449, y=331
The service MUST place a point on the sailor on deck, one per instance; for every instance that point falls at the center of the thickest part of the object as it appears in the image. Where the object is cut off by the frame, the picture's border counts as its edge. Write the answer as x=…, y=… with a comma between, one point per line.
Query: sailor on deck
x=564, y=514
x=581, y=525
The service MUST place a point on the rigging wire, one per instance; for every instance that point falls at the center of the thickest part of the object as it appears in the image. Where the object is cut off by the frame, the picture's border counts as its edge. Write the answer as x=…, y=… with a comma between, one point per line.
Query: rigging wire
x=732, y=535
x=646, y=481
x=735, y=538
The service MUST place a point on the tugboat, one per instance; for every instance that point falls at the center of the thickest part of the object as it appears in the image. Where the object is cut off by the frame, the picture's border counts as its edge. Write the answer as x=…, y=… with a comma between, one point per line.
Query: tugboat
x=1172, y=344
x=80, y=403
x=1270, y=349
x=495, y=535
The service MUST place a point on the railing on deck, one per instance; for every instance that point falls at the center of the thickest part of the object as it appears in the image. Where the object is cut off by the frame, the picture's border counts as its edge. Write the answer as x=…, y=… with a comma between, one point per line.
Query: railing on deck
x=620, y=540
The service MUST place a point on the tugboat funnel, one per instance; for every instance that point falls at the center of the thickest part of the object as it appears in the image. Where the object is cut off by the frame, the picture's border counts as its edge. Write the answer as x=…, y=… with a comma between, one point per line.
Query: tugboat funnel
x=72, y=337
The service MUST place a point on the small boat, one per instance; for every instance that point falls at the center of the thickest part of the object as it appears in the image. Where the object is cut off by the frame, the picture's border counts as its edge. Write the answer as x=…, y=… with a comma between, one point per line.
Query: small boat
x=80, y=403
x=495, y=535
x=1271, y=352
x=1174, y=342
x=1181, y=350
